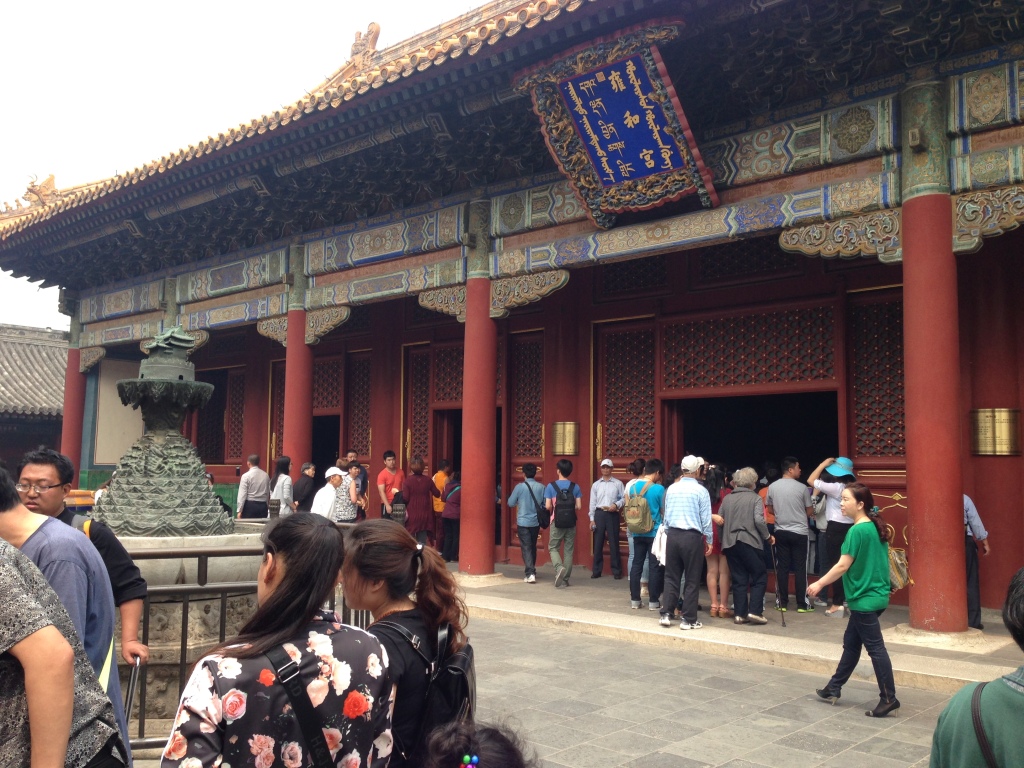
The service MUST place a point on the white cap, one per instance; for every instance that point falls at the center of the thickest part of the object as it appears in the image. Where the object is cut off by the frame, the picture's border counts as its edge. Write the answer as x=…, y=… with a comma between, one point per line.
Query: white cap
x=690, y=464
x=607, y=463
x=701, y=460
x=332, y=471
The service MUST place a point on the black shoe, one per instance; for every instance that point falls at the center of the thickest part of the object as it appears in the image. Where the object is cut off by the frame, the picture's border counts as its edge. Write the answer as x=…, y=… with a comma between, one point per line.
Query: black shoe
x=884, y=708
x=595, y=575
x=618, y=576
x=826, y=694
x=977, y=626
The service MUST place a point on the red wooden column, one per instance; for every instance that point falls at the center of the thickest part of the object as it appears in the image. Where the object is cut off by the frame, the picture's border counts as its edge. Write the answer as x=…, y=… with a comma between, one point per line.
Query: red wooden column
x=74, y=411
x=938, y=601
x=298, y=393
x=479, y=403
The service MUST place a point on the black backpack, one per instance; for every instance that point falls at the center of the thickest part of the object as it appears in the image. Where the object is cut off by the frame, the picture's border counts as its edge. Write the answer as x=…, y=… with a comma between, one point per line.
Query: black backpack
x=451, y=689
x=565, y=506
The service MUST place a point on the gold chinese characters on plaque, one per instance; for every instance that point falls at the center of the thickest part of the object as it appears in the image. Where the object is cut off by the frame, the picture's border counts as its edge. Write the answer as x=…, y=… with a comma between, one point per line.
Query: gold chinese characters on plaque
x=566, y=439
x=995, y=432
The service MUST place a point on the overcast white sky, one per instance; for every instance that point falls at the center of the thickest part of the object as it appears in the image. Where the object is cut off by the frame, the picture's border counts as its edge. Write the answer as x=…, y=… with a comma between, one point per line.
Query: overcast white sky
x=94, y=89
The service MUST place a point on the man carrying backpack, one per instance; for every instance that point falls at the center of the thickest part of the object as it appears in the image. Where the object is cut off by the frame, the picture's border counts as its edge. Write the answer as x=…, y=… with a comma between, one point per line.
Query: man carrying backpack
x=564, y=500
x=605, y=504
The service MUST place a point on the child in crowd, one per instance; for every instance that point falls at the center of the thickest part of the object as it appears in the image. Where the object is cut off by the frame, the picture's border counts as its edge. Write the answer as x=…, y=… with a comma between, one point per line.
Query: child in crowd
x=473, y=745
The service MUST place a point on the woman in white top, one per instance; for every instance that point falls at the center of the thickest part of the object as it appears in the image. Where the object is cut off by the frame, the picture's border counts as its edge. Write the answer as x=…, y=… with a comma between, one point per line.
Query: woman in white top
x=281, y=485
x=829, y=480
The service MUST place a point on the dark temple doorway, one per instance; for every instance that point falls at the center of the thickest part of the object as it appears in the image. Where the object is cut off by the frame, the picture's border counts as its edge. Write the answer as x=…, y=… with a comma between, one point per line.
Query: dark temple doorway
x=447, y=438
x=748, y=431
x=326, y=435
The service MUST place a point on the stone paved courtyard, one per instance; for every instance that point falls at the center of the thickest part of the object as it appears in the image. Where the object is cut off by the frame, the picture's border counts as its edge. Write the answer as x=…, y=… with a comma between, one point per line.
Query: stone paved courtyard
x=589, y=702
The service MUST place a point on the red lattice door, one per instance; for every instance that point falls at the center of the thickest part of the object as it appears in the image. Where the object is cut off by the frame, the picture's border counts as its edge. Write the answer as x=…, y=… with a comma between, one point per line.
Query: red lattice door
x=276, y=409
x=416, y=440
x=234, y=418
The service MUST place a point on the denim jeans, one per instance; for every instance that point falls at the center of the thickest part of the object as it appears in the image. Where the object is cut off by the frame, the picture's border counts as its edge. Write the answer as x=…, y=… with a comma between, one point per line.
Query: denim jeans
x=645, y=574
x=642, y=564
x=528, y=544
x=864, y=630
x=746, y=565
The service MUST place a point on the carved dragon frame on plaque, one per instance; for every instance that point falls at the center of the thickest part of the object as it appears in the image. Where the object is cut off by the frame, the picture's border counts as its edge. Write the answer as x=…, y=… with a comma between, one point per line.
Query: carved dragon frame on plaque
x=612, y=121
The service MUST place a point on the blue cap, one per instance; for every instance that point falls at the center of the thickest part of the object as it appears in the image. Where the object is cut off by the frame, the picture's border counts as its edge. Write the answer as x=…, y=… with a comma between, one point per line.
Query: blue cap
x=841, y=467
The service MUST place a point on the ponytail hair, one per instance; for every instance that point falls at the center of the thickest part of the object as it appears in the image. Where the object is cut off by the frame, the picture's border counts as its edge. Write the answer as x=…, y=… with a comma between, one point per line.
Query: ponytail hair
x=494, y=746
x=383, y=550
x=311, y=550
x=862, y=494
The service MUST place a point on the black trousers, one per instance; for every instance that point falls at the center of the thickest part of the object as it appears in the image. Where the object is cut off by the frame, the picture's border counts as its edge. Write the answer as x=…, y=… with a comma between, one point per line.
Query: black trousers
x=791, y=550
x=607, y=528
x=835, y=535
x=746, y=565
x=973, y=585
x=865, y=631
x=684, y=554
x=254, y=509
x=450, y=551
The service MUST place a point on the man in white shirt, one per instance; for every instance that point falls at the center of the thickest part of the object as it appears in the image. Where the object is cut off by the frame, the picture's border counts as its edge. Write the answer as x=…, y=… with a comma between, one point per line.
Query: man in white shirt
x=323, y=502
x=606, y=499
x=253, y=491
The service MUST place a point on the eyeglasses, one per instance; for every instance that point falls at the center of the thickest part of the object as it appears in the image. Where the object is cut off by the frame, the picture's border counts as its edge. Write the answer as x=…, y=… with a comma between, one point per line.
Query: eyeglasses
x=39, y=490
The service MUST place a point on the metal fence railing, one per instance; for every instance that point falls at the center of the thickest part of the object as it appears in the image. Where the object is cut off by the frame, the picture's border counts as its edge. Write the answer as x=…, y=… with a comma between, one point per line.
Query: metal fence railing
x=202, y=589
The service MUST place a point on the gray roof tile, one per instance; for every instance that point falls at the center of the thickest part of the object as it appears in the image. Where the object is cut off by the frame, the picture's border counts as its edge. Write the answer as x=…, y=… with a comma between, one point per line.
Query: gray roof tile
x=32, y=364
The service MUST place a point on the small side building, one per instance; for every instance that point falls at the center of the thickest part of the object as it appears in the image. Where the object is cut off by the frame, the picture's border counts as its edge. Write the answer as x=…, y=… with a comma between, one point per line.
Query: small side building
x=32, y=364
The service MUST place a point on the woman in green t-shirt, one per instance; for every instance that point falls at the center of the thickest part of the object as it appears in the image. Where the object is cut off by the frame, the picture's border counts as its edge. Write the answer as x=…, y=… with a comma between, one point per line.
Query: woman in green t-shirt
x=864, y=568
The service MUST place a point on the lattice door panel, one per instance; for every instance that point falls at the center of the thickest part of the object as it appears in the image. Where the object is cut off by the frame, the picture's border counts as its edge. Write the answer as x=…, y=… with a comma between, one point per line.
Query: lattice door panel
x=767, y=348
x=527, y=394
x=211, y=419
x=876, y=373
x=277, y=376
x=626, y=396
x=235, y=418
x=418, y=408
x=357, y=406
x=327, y=379
x=448, y=374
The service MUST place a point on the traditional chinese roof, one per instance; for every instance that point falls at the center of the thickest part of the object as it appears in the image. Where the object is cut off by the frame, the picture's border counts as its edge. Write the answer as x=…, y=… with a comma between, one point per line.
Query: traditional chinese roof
x=434, y=118
x=32, y=364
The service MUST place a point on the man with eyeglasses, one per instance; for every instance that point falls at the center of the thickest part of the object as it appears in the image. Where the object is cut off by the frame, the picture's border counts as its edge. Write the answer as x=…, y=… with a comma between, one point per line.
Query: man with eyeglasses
x=44, y=479
x=70, y=563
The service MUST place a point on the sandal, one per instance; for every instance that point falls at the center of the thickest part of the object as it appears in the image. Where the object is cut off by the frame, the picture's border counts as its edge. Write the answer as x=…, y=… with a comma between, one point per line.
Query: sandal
x=715, y=611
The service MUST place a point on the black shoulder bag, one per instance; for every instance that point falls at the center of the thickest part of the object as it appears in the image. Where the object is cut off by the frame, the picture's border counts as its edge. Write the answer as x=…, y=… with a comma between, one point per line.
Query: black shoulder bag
x=312, y=732
x=979, y=728
x=543, y=513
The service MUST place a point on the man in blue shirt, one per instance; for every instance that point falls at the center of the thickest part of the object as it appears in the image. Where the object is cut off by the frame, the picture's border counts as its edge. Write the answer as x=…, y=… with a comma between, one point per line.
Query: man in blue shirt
x=687, y=517
x=527, y=497
x=566, y=532
x=974, y=534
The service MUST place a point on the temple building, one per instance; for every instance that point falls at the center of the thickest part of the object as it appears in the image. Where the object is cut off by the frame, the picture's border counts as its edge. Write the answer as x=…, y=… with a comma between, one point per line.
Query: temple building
x=32, y=363
x=595, y=228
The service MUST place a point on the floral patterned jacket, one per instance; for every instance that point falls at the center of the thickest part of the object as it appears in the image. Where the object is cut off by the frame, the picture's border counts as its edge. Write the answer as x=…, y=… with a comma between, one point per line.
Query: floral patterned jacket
x=234, y=712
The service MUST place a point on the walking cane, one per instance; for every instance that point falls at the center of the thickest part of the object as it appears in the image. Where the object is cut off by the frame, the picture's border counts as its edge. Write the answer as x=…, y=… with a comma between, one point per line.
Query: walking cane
x=129, y=696
x=778, y=595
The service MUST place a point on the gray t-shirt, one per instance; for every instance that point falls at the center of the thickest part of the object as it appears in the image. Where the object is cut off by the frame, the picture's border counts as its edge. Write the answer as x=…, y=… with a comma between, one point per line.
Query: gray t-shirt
x=29, y=605
x=789, y=499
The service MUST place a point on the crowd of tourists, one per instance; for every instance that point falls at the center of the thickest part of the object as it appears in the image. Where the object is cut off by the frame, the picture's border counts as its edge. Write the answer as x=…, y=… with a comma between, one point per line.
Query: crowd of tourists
x=295, y=686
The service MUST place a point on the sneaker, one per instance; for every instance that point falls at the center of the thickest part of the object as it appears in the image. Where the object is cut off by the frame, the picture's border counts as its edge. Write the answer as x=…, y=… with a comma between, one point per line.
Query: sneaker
x=531, y=579
x=837, y=614
x=560, y=576
x=820, y=603
x=805, y=609
x=740, y=620
x=684, y=624
x=565, y=583
x=753, y=618
x=665, y=620
x=526, y=579
x=656, y=606
x=780, y=608
x=634, y=604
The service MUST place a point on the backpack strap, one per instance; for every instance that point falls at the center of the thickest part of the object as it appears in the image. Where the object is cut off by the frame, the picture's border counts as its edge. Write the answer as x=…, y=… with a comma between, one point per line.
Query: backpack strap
x=414, y=640
x=647, y=487
x=979, y=728
x=536, y=503
x=457, y=487
x=312, y=732
x=83, y=523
